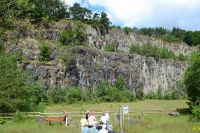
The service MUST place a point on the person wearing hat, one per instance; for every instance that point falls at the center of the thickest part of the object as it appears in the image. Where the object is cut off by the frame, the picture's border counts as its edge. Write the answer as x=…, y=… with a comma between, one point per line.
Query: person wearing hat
x=91, y=119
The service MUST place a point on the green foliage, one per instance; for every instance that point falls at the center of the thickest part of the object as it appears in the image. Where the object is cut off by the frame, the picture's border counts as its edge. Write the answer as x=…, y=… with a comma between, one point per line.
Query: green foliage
x=80, y=13
x=8, y=11
x=127, y=30
x=67, y=95
x=105, y=22
x=181, y=57
x=152, y=51
x=192, y=38
x=192, y=78
x=45, y=52
x=18, y=117
x=110, y=47
x=195, y=113
x=73, y=35
x=18, y=90
x=35, y=10
x=115, y=27
x=120, y=83
x=108, y=93
x=169, y=38
x=155, y=32
x=2, y=121
x=167, y=95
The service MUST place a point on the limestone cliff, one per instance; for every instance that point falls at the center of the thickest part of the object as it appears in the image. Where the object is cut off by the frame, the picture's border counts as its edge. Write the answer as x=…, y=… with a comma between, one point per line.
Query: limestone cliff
x=86, y=66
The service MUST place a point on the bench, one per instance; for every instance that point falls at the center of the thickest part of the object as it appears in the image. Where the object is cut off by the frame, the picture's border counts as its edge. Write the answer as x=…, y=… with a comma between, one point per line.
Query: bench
x=55, y=118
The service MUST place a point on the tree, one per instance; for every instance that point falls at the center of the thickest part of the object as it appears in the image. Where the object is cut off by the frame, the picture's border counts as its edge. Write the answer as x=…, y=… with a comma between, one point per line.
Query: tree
x=18, y=90
x=45, y=52
x=96, y=16
x=105, y=22
x=37, y=10
x=178, y=33
x=8, y=10
x=192, y=78
x=188, y=38
x=80, y=13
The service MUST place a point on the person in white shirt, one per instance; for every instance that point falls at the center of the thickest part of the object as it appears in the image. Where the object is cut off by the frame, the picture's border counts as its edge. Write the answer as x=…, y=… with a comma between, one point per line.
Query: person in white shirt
x=84, y=124
x=103, y=130
x=105, y=119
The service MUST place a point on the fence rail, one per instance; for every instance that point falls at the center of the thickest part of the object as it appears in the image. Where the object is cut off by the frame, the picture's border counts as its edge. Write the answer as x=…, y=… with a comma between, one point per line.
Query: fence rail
x=79, y=114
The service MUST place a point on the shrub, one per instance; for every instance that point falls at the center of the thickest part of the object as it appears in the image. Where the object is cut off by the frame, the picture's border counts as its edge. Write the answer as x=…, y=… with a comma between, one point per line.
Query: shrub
x=110, y=47
x=195, y=113
x=109, y=93
x=181, y=57
x=168, y=95
x=191, y=79
x=73, y=35
x=67, y=95
x=169, y=38
x=18, y=117
x=152, y=51
x=67, y=36
x=127, y=30
x=45, y=52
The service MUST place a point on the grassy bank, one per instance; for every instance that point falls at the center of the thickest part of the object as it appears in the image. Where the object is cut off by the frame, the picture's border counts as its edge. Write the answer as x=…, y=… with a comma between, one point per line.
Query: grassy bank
x=152, y=123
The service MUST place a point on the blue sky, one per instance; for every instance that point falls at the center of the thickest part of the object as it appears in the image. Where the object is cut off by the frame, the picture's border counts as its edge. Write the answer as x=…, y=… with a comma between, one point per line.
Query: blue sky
x=148, y=13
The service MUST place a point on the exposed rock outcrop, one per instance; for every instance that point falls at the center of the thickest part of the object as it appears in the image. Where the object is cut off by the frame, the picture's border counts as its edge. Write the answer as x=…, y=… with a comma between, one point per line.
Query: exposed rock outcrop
x=92, y=65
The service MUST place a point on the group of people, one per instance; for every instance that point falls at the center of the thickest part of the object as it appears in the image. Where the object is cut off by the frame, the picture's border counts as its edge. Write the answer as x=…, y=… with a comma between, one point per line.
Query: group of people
x=89, y=123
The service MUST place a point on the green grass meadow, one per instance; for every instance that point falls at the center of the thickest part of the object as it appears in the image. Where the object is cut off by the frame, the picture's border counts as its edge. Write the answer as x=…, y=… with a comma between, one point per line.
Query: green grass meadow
x=152, y=123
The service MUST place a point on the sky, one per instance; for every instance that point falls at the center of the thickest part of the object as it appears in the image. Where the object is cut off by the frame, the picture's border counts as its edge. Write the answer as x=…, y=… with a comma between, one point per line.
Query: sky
x=184, y=14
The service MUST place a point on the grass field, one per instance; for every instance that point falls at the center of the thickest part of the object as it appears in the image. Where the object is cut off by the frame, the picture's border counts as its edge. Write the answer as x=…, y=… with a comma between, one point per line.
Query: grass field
x=152, y=123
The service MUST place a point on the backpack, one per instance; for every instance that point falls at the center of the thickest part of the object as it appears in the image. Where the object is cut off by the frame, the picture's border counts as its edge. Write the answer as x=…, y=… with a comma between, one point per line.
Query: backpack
x=64, y=119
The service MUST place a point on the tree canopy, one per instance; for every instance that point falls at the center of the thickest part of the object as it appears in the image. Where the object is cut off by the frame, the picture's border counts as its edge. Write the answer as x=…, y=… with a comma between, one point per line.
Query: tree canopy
x=192, y=78
x=18, y=90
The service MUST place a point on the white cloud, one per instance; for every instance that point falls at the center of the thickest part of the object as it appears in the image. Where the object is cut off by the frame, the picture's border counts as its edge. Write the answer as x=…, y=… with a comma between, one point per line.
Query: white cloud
x=147, y=13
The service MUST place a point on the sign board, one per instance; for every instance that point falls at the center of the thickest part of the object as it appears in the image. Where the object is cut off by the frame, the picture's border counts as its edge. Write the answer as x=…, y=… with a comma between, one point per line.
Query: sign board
x=125, y=109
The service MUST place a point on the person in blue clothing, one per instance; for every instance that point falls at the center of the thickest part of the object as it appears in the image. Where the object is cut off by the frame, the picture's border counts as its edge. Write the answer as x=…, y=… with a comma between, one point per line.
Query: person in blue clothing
x=84, y=124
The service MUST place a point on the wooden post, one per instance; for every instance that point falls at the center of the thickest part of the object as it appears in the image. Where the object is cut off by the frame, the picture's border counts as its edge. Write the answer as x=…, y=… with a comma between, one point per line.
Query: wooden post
x=121, y=120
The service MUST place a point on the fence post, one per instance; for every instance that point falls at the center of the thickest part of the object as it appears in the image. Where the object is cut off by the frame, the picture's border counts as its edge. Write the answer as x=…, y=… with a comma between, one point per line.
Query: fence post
x=121, y=120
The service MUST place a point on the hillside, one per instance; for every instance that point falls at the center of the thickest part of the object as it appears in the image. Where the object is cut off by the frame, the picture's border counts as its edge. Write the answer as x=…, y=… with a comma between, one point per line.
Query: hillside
x=86, y=64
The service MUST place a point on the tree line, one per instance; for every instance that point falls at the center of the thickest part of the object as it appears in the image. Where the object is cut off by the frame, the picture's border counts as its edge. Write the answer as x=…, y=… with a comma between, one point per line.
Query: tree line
x=50, y=10
x=192, y=38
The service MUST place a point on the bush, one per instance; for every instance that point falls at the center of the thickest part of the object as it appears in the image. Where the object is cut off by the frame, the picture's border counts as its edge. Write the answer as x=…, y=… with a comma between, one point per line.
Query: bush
x=73, y=35
x=195, y=113
x=127, y=30
x=116, y=93
x=191, y=79
x=45, y=52
x=181, y=57
x=110, y=47
x=18, y=117
x=152, y=51
x=67, y=95
x=169, y=38
x=167, y=95
x=67, y=36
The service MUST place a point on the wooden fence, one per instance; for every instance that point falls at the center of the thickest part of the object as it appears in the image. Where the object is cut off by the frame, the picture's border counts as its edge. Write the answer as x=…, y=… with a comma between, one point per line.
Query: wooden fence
x=79, y=114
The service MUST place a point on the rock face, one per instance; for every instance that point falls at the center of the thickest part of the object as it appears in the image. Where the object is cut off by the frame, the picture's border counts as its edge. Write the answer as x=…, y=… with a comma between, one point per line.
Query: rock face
x=92, y=65
x=124, y=41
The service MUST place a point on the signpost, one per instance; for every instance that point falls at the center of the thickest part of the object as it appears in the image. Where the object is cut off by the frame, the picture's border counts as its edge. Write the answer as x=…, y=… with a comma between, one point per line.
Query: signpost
x=123, y=111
